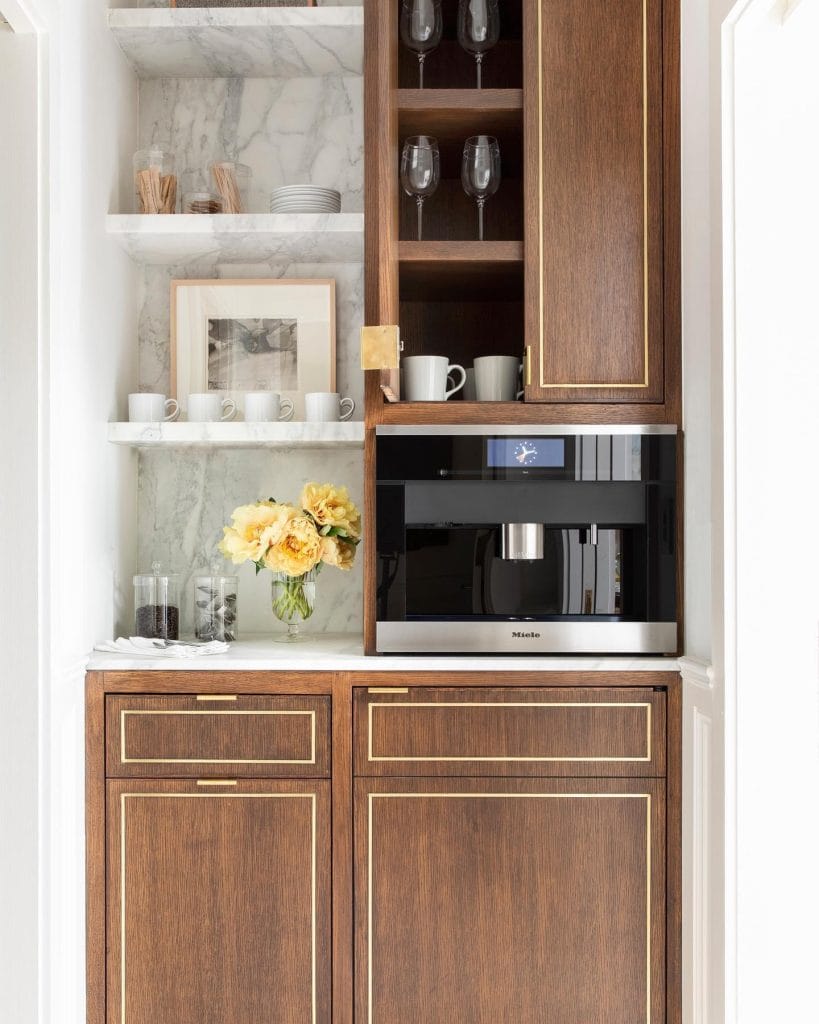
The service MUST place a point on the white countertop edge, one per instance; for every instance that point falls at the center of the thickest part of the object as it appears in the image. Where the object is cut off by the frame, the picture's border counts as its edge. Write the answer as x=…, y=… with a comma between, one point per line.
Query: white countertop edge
x=345, y=653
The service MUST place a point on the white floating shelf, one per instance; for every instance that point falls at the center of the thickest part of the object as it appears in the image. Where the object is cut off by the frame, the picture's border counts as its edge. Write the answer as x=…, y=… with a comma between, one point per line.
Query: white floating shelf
x=241, y=42
x=291, y=237
x=237, y=435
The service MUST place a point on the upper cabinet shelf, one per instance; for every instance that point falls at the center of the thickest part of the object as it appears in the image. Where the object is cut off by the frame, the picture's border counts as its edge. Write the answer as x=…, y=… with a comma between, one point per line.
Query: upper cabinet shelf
x=297, y=237
x=252, y=42
x=454, y=114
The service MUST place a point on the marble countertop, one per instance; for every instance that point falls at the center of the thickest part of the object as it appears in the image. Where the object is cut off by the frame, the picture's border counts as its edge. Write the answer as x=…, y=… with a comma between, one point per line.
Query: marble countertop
x=344, y=652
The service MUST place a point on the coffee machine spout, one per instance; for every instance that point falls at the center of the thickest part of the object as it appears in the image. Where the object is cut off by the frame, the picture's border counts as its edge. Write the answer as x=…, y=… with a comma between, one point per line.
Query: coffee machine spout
x=522, y=542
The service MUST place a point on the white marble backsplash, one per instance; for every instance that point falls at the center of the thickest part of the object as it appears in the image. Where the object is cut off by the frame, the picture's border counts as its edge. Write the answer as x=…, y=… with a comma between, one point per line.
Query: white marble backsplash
x=185, y=498
x=288, y=131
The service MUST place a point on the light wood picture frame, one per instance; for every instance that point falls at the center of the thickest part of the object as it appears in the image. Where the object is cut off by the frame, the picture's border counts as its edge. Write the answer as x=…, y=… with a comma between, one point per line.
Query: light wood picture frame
x=236, y=335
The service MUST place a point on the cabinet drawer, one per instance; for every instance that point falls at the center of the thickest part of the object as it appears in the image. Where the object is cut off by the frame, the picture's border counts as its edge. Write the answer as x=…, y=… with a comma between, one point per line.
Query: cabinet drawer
x=510, y=731
x=207, y=735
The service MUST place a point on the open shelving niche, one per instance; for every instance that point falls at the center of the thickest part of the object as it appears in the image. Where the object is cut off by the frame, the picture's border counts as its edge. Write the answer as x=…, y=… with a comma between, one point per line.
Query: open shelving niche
x=453, y=295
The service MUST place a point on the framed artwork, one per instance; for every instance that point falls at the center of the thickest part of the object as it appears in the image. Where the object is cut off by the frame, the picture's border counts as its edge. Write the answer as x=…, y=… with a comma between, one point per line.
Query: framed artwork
x=234, y=336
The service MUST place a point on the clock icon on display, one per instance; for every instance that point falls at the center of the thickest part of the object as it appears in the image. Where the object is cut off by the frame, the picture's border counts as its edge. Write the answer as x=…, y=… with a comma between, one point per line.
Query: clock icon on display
x=525, y=453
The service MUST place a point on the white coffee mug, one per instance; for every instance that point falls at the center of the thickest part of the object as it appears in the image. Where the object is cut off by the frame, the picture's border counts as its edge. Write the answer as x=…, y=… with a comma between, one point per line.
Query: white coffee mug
x=497, y=378
x=426, y=378
x=210, y=408
x=267, y=407
x=152, y=408
x=327, y=407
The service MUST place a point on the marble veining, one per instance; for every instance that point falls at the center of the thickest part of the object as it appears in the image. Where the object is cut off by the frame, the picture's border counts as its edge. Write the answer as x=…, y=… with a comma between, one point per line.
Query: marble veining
x=288, y=131
x=185, y=498
x=219, y=42
x=291, y=435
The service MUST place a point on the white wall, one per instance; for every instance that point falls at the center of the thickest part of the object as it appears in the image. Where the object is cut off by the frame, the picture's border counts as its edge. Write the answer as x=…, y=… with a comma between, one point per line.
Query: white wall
x=777, y=510
x=93, y=353
x=19, y=497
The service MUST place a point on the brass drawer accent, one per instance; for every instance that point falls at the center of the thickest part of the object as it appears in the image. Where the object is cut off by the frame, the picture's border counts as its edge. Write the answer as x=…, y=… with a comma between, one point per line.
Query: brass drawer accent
x=174, y=736
x=511, y=732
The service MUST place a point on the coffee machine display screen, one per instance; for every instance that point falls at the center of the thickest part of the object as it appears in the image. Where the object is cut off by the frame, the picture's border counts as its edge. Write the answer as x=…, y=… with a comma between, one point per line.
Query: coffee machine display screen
x=525, y=452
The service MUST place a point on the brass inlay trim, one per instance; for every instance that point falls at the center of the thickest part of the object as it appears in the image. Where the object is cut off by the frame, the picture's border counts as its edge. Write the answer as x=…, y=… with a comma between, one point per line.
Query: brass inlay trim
x=387, y=689
x=512, y=796
x=220, y=796
x=124, y=759
x=616, y=384
x=217, y=782
x=216, y=696
x=510, y=704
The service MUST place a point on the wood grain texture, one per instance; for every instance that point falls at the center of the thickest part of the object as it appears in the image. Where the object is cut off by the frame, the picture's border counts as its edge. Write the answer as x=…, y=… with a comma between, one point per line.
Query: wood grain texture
x=219, y=904
x=672, y=211
x=197, y=681
x=510, y=732
x=95, y=828
x=453, y=412
x=342, y=851
x=599, y=233
x=455, y=114
x=510, y=900
x=184, y=736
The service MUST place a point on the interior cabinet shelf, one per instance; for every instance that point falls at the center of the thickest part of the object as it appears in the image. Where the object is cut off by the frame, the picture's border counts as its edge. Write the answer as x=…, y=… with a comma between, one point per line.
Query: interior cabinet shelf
x=237, y=435
x=443, y=271
x=301, y=237
x=260, y=42
x=455, y=114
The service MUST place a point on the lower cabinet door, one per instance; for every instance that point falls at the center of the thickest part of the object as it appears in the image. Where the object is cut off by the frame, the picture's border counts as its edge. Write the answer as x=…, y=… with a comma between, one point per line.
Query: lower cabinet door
x=533, y=901
x=219, y=902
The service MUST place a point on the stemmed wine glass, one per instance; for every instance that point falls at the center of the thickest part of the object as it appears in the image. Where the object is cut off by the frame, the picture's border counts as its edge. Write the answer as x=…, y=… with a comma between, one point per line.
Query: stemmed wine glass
x=420, y=171
x=481, y=171
x=422, y=26
x=478, y=28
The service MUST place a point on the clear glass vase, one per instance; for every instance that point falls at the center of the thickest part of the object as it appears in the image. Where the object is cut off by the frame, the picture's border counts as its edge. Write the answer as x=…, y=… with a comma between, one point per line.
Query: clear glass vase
x=294, y=598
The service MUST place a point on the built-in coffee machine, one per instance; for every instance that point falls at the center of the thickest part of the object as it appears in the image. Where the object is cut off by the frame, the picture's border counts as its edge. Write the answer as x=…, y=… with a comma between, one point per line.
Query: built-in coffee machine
x=526, y=540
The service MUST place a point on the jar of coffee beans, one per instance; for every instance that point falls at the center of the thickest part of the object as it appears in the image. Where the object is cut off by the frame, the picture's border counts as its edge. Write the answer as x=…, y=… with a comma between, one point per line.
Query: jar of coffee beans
x=156, y=600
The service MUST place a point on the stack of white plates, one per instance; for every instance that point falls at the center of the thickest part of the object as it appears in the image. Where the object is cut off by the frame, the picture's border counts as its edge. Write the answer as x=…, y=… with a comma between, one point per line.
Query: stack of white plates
x=305, y=199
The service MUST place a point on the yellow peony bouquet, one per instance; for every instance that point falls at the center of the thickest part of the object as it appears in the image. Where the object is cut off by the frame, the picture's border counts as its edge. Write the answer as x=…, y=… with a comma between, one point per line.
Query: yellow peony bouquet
x=295, y=541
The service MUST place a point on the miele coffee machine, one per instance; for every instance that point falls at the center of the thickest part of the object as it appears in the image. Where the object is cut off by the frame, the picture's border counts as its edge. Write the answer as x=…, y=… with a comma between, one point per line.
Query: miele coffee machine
x=535, y=540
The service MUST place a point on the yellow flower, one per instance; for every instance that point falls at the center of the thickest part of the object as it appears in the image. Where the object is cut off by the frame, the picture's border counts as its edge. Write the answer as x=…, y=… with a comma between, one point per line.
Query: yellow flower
x=297, y=548
x=254, y=529
x=331, y=506
x=337, y=552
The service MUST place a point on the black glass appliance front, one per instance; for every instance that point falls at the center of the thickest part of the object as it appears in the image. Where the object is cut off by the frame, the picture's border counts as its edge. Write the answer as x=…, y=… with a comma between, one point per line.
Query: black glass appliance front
x=602, y=577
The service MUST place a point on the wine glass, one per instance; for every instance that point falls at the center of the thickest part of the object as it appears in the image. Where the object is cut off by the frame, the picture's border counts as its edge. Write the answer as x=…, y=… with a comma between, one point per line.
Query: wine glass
x=420, y=171
x=481, y=171
x=422, y=26
x=478, y=28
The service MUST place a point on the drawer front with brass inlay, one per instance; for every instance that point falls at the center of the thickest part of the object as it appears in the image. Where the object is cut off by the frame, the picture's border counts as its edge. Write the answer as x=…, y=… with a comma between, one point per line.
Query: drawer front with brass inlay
x=209, y=735
x=510, y=731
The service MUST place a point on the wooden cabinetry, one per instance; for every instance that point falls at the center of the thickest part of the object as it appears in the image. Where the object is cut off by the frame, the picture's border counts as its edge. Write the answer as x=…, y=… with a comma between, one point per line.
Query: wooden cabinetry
x=503, y=846
x=489, y=896
x=579, y=272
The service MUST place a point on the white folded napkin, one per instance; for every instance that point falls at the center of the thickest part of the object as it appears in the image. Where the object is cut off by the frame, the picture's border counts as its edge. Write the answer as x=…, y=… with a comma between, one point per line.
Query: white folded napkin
x=144, y=648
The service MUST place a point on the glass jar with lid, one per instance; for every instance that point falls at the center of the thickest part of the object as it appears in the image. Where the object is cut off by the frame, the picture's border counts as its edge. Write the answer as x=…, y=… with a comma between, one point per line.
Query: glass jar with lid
x=215, y=607
x=156, y=603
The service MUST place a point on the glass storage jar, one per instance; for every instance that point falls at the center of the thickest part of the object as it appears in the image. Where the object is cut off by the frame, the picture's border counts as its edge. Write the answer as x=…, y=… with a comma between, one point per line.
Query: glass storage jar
x=156, y=603
x=202, y=201
x=215, y=607
x=232, y=182
x=154, y=181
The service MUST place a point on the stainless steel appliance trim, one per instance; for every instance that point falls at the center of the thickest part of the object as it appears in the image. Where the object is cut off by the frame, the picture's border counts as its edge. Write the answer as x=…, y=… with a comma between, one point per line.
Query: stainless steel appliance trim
x=522, y=429
x=522, y=637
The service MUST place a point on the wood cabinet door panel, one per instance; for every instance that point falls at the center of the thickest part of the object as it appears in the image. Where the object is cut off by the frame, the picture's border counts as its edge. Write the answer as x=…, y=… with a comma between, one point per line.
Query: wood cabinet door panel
x=487, y=900
x=189, y=735
x=510, y=731
x=594, y=232
x=218, y=903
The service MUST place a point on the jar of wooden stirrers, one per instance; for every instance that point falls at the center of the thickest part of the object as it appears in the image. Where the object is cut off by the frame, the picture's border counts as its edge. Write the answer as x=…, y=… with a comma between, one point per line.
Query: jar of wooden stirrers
x=154, y=181
x=232, y=182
